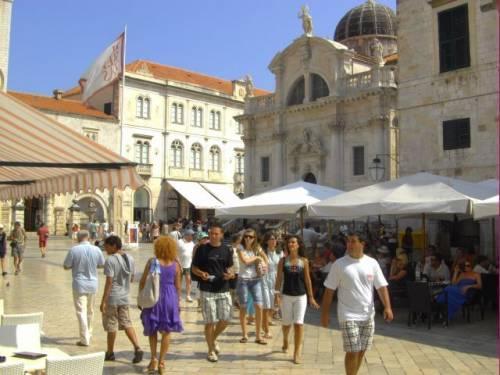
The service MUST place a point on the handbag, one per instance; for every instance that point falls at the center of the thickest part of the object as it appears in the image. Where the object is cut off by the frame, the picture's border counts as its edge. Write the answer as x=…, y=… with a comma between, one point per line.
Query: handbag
x=149, y=295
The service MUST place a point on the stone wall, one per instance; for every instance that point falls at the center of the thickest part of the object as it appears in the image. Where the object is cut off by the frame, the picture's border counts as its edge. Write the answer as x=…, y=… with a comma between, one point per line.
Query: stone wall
x=5, y=24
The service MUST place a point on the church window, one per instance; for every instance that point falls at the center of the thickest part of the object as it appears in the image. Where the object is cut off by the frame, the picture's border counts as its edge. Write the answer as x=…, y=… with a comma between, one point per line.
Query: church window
x=358, y=156
x=297, y=92
x=319, y=87
x=453, y=26
x=456, y=134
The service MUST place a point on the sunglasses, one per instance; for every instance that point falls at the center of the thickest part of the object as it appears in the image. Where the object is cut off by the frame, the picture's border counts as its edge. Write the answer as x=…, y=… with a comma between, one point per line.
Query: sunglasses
x=248, y=236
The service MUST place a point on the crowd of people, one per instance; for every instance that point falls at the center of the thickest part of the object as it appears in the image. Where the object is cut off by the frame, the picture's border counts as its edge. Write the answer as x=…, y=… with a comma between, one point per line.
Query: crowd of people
x=265, y=275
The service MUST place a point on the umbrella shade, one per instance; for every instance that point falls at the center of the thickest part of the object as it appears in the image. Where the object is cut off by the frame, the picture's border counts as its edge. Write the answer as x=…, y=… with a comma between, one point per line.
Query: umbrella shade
x=415, y=194
x=40, y=156
x=486, y=208
x=278, y=203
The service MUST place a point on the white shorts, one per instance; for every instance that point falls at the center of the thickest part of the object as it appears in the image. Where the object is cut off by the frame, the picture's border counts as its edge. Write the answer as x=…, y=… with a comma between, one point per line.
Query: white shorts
x=293, y=309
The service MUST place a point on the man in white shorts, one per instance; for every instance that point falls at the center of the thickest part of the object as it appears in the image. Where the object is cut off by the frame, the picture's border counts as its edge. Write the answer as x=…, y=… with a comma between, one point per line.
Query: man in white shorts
x=354, y=276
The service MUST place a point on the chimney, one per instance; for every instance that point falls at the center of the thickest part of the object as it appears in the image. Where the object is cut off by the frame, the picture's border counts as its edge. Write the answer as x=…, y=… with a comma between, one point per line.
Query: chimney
x=57, y=94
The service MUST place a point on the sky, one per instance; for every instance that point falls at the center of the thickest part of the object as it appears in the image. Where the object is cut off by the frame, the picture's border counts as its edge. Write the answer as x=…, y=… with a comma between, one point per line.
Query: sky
x=53, y=42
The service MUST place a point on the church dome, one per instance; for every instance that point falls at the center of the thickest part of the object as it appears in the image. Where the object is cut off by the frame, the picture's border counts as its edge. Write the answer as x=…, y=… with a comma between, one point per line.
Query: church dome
x=366, y=19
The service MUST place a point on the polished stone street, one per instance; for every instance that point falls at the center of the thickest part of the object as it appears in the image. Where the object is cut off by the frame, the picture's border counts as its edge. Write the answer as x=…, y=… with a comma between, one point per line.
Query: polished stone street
x=44, y=286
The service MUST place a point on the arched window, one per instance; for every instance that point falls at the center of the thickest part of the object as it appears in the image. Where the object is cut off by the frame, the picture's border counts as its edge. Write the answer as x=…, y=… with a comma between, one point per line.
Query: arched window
x=214, y=159
x=319, y=87
x=217, y=120
x=176, y=154
x=310, y=177
x=177, y=113
x=195, y=161
x=240, y=162
x=142, y=107
x=296, y=95
x=211, y=120
x=139, y=105
x=147, y=107
x=142, y=152
x=197, y=117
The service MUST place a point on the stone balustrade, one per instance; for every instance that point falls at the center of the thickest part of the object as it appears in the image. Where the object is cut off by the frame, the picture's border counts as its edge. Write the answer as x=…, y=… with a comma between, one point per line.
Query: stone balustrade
x=257, y=104
x=377, y=77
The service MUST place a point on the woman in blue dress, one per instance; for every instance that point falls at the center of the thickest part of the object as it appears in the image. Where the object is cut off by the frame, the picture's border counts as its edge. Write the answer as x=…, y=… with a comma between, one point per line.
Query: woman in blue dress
x=164, y=317
x=465, y=283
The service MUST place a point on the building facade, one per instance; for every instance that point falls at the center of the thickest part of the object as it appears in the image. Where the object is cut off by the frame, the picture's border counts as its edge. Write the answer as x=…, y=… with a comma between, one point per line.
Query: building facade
x=5, y=21
x=333, y=110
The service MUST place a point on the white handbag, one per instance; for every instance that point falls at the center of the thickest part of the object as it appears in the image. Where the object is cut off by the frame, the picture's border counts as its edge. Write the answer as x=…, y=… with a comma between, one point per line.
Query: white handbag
x=149, y=295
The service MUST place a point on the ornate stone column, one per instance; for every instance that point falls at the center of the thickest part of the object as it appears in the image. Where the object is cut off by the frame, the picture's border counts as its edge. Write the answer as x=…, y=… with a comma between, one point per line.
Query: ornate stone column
x=59, y=224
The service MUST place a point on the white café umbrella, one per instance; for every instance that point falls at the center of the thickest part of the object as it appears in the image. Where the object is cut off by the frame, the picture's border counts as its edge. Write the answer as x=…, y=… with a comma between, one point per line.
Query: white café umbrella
x=487, y=208
x=421, y=193
x=279, y=203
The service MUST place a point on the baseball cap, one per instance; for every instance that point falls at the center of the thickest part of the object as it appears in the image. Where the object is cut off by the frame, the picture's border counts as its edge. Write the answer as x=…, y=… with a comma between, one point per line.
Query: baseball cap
x=188, y=232
x=201, y=235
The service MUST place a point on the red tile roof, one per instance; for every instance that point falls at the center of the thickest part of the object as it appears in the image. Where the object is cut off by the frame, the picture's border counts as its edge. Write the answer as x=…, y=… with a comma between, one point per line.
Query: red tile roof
x=49, y=103
x=172, y=73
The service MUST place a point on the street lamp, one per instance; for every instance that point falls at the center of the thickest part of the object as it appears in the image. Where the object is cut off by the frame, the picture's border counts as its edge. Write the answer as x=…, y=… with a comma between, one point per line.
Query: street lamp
x=377, y=170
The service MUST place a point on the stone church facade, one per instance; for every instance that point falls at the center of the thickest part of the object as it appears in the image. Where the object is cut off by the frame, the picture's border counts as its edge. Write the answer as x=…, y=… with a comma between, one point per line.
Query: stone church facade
x=333, y=110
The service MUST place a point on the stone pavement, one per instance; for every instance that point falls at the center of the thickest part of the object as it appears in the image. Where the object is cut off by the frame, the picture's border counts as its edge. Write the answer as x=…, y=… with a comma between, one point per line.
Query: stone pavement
x=44, y=286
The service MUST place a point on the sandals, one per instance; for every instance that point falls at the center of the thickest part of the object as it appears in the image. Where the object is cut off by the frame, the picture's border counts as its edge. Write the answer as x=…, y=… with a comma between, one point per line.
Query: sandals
x=268, y=336
x=152, y=367
x=244, y=340
x=260, y=342
x=161, y=368
x=284, y=349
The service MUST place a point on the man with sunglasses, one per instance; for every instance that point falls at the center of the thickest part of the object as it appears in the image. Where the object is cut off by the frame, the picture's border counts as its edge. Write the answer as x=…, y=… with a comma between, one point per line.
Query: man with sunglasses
x=212, y=264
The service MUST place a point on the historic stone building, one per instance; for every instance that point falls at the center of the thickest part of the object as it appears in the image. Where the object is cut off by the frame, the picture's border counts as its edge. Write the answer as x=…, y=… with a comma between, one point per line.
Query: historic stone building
x=333, y=110
x=448, y=97
x=5, y=20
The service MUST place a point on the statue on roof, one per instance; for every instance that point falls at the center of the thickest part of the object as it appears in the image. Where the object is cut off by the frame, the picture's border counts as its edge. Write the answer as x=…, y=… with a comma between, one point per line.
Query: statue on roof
x=248, y=86
x=377, y=50
x=307, y=23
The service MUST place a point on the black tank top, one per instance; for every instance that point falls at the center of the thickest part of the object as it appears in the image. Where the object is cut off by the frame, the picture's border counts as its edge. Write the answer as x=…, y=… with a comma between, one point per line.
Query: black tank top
x=293, y=275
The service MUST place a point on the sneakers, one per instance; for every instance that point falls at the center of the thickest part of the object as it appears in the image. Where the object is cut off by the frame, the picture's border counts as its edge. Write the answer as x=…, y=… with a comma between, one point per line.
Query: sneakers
x=79, y=343
x=212, y=357
x=189, y=299
x=138, y=356
x=109, y=356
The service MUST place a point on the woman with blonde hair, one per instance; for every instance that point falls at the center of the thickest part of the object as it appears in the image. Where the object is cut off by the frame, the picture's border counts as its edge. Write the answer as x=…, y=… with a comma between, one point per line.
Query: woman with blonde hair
x=163, y=317
x=253, y=261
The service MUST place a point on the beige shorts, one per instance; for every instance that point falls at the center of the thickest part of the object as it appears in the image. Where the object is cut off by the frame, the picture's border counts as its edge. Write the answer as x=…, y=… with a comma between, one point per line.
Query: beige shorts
x=116, y=318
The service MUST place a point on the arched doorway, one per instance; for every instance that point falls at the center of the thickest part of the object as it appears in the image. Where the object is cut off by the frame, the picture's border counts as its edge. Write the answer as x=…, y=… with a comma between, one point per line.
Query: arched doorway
x=142, y=210
x=310, y=177
x=90, y=209
x=33, y=214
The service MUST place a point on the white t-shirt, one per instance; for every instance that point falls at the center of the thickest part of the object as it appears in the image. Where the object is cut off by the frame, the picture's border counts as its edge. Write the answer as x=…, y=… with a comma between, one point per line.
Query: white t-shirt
x=185, y=252
x=354, y=280
x=310, y=236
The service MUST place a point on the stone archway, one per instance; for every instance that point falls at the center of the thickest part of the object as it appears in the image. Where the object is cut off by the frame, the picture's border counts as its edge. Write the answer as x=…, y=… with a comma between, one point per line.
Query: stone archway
x=310, y=177
x=91, y=208
x=142, y=206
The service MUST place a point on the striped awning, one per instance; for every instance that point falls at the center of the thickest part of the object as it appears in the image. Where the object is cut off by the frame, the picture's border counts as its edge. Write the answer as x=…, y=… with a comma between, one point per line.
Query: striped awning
x=40, y=156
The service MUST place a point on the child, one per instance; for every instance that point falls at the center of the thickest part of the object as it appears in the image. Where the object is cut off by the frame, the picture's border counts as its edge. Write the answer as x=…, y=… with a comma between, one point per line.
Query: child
x=119, y=271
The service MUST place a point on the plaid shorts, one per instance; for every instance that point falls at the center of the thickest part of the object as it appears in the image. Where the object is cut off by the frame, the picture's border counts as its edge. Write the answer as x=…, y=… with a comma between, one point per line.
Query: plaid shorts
x=357, y=335
x=215, y=306
x=116, y=318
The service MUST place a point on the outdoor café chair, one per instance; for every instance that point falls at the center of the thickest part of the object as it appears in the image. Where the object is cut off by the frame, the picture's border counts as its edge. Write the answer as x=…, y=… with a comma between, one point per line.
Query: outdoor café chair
x=12, y=368
x=86, y=364
x=421, y=301
x=15, y=319
x=21, y=337
x=477, y=299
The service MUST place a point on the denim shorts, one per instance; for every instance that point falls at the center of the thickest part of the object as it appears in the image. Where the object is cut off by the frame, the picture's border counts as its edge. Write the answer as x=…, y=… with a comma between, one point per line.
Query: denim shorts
x=252, y=286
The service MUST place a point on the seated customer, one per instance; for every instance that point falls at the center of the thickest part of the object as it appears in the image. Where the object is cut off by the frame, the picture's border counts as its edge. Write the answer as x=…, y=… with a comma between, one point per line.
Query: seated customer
x=466, y=283
x=437, y=270
x=483, y=265
x=399, y=272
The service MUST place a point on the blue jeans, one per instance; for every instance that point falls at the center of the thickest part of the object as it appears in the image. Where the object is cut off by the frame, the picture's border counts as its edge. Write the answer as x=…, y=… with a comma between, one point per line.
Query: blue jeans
x=249, y=286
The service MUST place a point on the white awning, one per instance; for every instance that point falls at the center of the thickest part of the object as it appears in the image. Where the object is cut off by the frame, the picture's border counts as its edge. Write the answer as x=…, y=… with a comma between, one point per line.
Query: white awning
x=195, y=194
x=222, y=192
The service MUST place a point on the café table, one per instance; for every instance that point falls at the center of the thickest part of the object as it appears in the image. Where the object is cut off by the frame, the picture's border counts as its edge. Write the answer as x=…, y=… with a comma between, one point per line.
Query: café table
x=35, y=366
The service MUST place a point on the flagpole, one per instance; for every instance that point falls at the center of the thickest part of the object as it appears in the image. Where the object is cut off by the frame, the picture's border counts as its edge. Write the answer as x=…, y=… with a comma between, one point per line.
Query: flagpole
x=122, y=93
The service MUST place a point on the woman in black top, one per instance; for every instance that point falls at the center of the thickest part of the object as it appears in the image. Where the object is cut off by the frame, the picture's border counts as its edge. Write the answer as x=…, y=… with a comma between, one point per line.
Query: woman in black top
x=293, y=272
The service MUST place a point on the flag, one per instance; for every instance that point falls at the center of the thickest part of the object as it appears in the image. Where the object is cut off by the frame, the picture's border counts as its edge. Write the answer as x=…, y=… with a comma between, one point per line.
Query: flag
x=105, y=70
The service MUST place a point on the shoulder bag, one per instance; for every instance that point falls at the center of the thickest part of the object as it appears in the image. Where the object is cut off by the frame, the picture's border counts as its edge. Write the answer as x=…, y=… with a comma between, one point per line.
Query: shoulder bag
x=149, y=295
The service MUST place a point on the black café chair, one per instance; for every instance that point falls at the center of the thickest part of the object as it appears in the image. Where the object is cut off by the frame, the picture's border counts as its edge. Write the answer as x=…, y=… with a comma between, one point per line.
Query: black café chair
x=490, y=289
x=421, y=302
x=474, y=298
